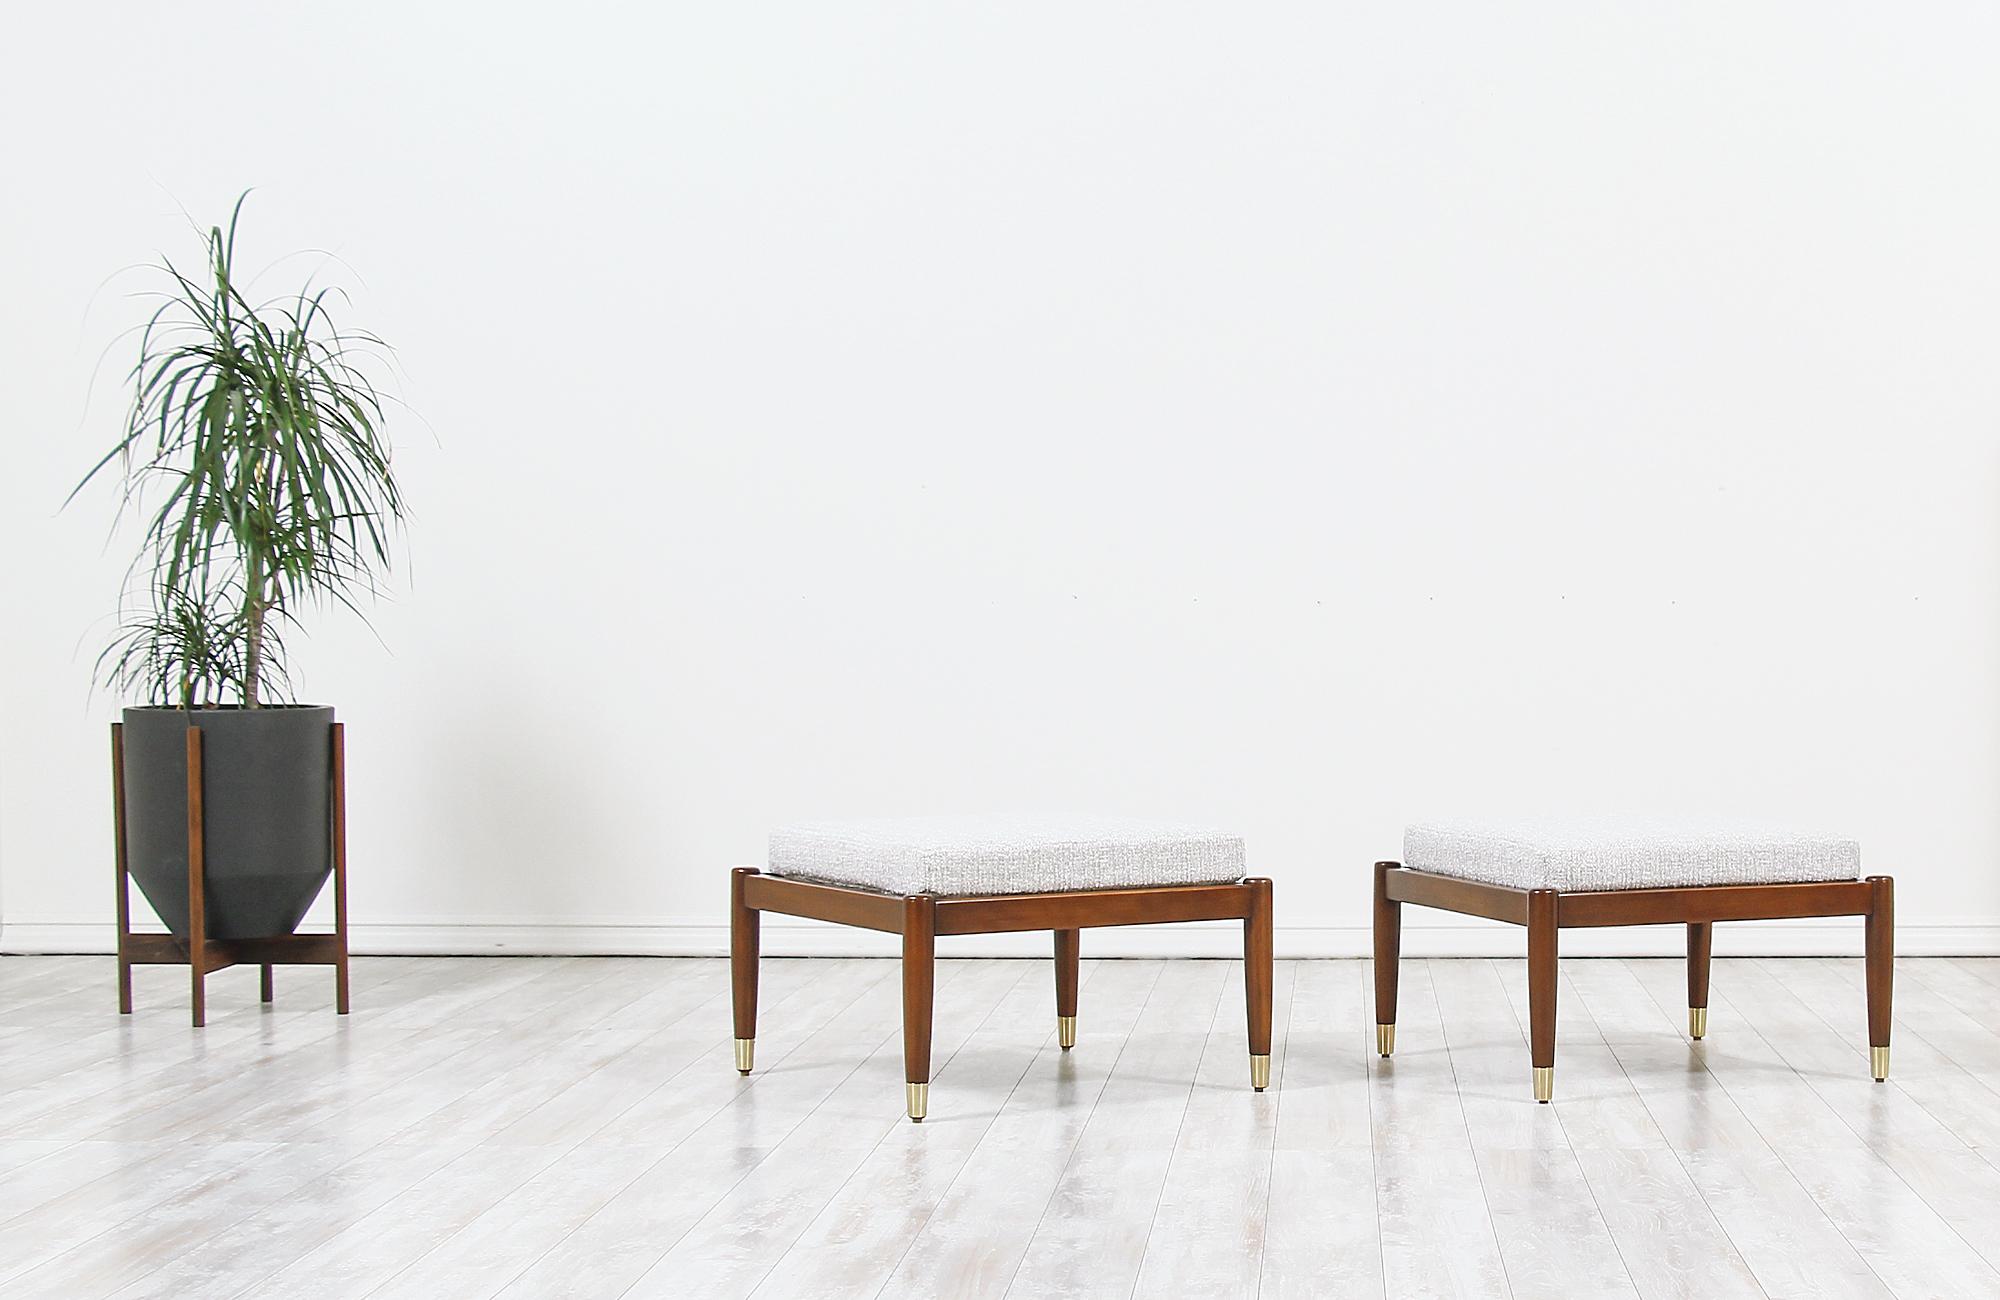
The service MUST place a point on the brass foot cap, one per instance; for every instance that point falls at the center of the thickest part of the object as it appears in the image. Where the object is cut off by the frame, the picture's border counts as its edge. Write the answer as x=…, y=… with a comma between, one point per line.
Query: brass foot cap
x=1385, y=1039
x=1697, y=1022
x=1878, y=1063
x=1260, y=1072
x=1066, y=1032
x=746, y=1052
x=1545, y=1082
x=917, y=1099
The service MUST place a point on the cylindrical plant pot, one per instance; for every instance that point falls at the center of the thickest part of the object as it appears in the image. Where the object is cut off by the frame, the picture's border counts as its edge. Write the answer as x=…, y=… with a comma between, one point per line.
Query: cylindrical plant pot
x=266, y=830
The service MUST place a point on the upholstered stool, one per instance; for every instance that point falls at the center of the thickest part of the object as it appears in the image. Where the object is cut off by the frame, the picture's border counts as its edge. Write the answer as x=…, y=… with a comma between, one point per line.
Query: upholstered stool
x=1553, y=875
x=925, y=877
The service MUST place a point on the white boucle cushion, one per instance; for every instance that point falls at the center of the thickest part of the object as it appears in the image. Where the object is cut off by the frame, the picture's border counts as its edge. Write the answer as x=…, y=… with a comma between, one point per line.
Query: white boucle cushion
x=1589, y=854
x=1004, y=855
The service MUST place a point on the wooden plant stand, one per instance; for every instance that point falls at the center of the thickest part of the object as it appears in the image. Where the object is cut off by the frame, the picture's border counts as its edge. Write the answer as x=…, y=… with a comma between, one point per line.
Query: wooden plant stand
x=200, y=954
x=921, y=918
x=1545, y=912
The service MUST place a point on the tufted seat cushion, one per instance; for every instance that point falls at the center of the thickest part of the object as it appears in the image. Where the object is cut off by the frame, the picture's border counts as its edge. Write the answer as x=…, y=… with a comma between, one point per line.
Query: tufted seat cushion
x=1585, y=854
x=1004, y=855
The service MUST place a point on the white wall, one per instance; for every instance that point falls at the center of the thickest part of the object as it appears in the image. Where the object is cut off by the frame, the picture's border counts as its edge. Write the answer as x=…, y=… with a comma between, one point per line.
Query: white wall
x=1293, y=416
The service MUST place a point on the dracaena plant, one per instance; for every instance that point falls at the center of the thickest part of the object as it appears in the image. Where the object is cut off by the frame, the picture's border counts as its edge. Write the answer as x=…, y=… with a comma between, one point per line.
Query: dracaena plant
x=253, y=451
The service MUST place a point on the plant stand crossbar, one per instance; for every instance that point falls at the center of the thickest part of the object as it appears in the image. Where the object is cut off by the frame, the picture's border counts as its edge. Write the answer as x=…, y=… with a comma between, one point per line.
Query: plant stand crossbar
x=200, y=954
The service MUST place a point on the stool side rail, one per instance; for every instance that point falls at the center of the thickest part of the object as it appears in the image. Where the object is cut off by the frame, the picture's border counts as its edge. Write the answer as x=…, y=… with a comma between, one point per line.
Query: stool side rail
x=1002, y=913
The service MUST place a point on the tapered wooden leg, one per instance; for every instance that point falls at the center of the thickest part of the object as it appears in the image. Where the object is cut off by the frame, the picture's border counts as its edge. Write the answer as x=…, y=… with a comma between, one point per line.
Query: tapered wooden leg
x=197, y=903
x=340, y=999
x=1258, y=972
x=743, y=952
x=1881, y=948
x=1700, y=935
x=124, y=889
x=1542, y=989
x=264, y=984
x=1069, y=950
x=919, y=984
x=1388, y=957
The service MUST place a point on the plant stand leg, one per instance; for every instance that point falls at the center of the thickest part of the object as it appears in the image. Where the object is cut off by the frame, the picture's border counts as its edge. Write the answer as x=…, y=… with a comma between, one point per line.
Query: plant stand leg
x=264, y=983
x=197, y=904
x=340, y=1000
x=919, y=986
x=745, y=938
x=124, y=888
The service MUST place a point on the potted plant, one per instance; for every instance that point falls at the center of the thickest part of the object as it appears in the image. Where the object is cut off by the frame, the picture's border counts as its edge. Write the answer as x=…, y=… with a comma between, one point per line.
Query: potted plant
x=253, y=451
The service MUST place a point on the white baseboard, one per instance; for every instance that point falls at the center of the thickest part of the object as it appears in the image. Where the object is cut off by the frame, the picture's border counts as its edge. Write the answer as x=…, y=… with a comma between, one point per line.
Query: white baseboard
x=793, y=937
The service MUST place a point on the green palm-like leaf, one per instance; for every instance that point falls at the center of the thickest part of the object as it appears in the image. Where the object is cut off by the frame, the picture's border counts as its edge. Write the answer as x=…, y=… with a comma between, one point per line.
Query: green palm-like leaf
x=262, y=439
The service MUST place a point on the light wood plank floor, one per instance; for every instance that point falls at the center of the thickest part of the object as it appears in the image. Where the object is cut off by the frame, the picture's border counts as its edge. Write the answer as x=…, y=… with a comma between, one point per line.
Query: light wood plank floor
x=543, y=1127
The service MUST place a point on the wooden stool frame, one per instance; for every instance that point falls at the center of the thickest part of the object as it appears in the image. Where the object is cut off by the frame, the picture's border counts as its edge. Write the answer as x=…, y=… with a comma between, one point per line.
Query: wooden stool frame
x=200, y=954
x=921, y=918
x=1546, y=912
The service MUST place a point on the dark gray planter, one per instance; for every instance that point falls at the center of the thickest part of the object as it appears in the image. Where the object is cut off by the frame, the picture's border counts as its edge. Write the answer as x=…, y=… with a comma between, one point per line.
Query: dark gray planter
x=267, y=794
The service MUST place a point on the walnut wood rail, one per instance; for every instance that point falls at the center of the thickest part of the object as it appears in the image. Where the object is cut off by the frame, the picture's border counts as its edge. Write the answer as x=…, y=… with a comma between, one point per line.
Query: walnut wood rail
x=920, y=919
x=204, y=956
x=1545, y=912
